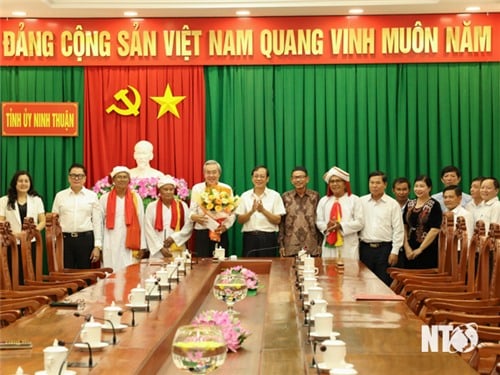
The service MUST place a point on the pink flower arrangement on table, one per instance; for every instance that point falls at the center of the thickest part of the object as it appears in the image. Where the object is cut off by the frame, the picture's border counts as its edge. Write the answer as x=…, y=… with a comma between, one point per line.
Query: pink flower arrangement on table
x=145, y=187
x=251, y=278
x=234, y=333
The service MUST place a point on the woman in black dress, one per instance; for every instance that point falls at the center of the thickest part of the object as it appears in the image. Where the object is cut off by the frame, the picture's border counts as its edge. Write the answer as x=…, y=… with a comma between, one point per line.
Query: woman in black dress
x=422, y=219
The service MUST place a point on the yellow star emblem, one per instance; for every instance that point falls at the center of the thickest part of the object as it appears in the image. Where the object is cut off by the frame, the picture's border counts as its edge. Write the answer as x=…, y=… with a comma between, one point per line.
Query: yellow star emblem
x=168, y=102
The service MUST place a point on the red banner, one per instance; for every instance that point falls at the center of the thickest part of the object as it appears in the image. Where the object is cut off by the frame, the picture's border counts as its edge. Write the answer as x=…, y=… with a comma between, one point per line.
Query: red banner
x=40, y=119
x=251, y=41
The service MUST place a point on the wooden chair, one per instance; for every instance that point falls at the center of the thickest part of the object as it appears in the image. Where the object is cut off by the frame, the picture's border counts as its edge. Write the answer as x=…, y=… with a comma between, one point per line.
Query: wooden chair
x=10, y=288
x=8, y=317
x=485, y=358
x=444, y=258
x=477, y=300
x=32, y=277
x=55, y=253
x=475, y=285
x=456, y=261
x=486, y=287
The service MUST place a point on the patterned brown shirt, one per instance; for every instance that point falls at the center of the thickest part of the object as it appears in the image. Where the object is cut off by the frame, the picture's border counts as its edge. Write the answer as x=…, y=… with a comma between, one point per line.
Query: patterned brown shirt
x=298, y=227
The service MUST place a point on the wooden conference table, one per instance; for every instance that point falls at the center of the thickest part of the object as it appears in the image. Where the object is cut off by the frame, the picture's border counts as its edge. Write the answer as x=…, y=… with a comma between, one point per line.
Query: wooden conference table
x=382, y=336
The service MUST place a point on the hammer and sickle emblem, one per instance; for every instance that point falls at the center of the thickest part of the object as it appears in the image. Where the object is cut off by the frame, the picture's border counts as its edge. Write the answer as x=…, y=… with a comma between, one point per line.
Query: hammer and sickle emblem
x=132, y=108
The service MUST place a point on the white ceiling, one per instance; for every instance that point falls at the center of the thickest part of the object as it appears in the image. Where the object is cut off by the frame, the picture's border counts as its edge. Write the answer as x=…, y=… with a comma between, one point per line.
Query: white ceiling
x=227, y=8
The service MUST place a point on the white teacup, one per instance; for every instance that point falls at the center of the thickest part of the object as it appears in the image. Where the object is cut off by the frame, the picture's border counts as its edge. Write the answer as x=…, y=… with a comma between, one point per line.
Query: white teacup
x=219, y=253
x=112, y=313
x=91, y=333
x=137, y=296
x=310, y=273
x=181, y=263
x=309, y=282
x=315, y=292
x=163, y=275
x=53, y=359
x=334, y=352
x=308, y=262
x=172, y=270
x=323, y=324
x=151, y=286
x=302, y=254
x=317, y=306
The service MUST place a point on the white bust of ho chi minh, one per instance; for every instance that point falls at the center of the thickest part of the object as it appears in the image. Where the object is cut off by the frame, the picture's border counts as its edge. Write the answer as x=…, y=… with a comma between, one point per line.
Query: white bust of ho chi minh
x=143, y=154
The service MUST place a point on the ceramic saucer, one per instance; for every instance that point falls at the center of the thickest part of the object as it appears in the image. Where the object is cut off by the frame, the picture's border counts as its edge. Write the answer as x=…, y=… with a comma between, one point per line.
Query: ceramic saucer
x=67, y=372
x=143, y=306
x=324, y=367
x=119, y=327
x=316, y=335
x=81, y=345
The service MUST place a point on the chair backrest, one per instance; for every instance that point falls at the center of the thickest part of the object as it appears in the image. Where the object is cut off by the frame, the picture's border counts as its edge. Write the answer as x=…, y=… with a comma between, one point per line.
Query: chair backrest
x=461, y=241
x=482, y=273
x=54, y=242
x=8, y=245
x=445, y=247
x=494, y=247
x=29, y=232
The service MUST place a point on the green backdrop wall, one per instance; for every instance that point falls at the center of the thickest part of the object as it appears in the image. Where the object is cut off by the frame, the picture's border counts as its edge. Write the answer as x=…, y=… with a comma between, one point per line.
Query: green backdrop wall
x=405, y=119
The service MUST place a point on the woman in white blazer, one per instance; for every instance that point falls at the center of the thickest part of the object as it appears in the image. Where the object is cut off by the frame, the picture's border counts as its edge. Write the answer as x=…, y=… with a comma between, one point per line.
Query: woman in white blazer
x=22, y=201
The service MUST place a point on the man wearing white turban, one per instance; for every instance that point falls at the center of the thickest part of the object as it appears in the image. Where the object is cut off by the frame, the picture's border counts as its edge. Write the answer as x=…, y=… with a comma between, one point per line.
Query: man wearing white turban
x=167, y=222
x=339, y=217
x=123, y=236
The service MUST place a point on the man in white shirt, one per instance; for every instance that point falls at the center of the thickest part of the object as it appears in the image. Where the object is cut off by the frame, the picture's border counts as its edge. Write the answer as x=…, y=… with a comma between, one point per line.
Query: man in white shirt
x=452, y=196
x=489, y=209
x=260, y=212
x=451, y=175
x=475, y=193
x=204, y=244
x=383, y=234
x=80, y=216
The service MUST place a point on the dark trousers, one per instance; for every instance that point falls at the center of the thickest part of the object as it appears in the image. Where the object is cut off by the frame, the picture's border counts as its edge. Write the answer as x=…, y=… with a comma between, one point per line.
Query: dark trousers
x=77, y=249
x=20, y=269
x=376, y=259
x=204, y=246
x=260, y=244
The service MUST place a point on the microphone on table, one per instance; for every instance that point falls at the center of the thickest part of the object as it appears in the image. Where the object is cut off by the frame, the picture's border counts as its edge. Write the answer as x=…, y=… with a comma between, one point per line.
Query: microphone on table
x=120, y=313
x=132, y=323
x=188, y=257
x=262, y=250
x=176, y=270
x=148, y=297
x=90, y=364
x=315, y=361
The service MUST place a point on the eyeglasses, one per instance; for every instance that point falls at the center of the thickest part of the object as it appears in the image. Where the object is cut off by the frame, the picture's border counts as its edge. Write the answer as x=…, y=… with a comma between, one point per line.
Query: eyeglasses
x=76, y=176
x=299, y=177
x=336, y=181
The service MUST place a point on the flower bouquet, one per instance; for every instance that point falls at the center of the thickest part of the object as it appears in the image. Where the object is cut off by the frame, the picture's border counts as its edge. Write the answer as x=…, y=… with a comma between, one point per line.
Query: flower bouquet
x=251, y=278
x=234, y=333
x=218, y=203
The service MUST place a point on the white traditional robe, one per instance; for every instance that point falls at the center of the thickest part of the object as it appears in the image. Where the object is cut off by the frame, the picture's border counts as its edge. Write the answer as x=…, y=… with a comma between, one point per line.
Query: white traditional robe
x=352, y=222
x=114, y=252
x=154, y=238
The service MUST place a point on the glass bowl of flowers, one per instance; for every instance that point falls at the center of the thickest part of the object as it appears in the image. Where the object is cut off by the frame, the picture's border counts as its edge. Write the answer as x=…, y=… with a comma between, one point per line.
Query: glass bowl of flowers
x=251, y=278
x=233, y=332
